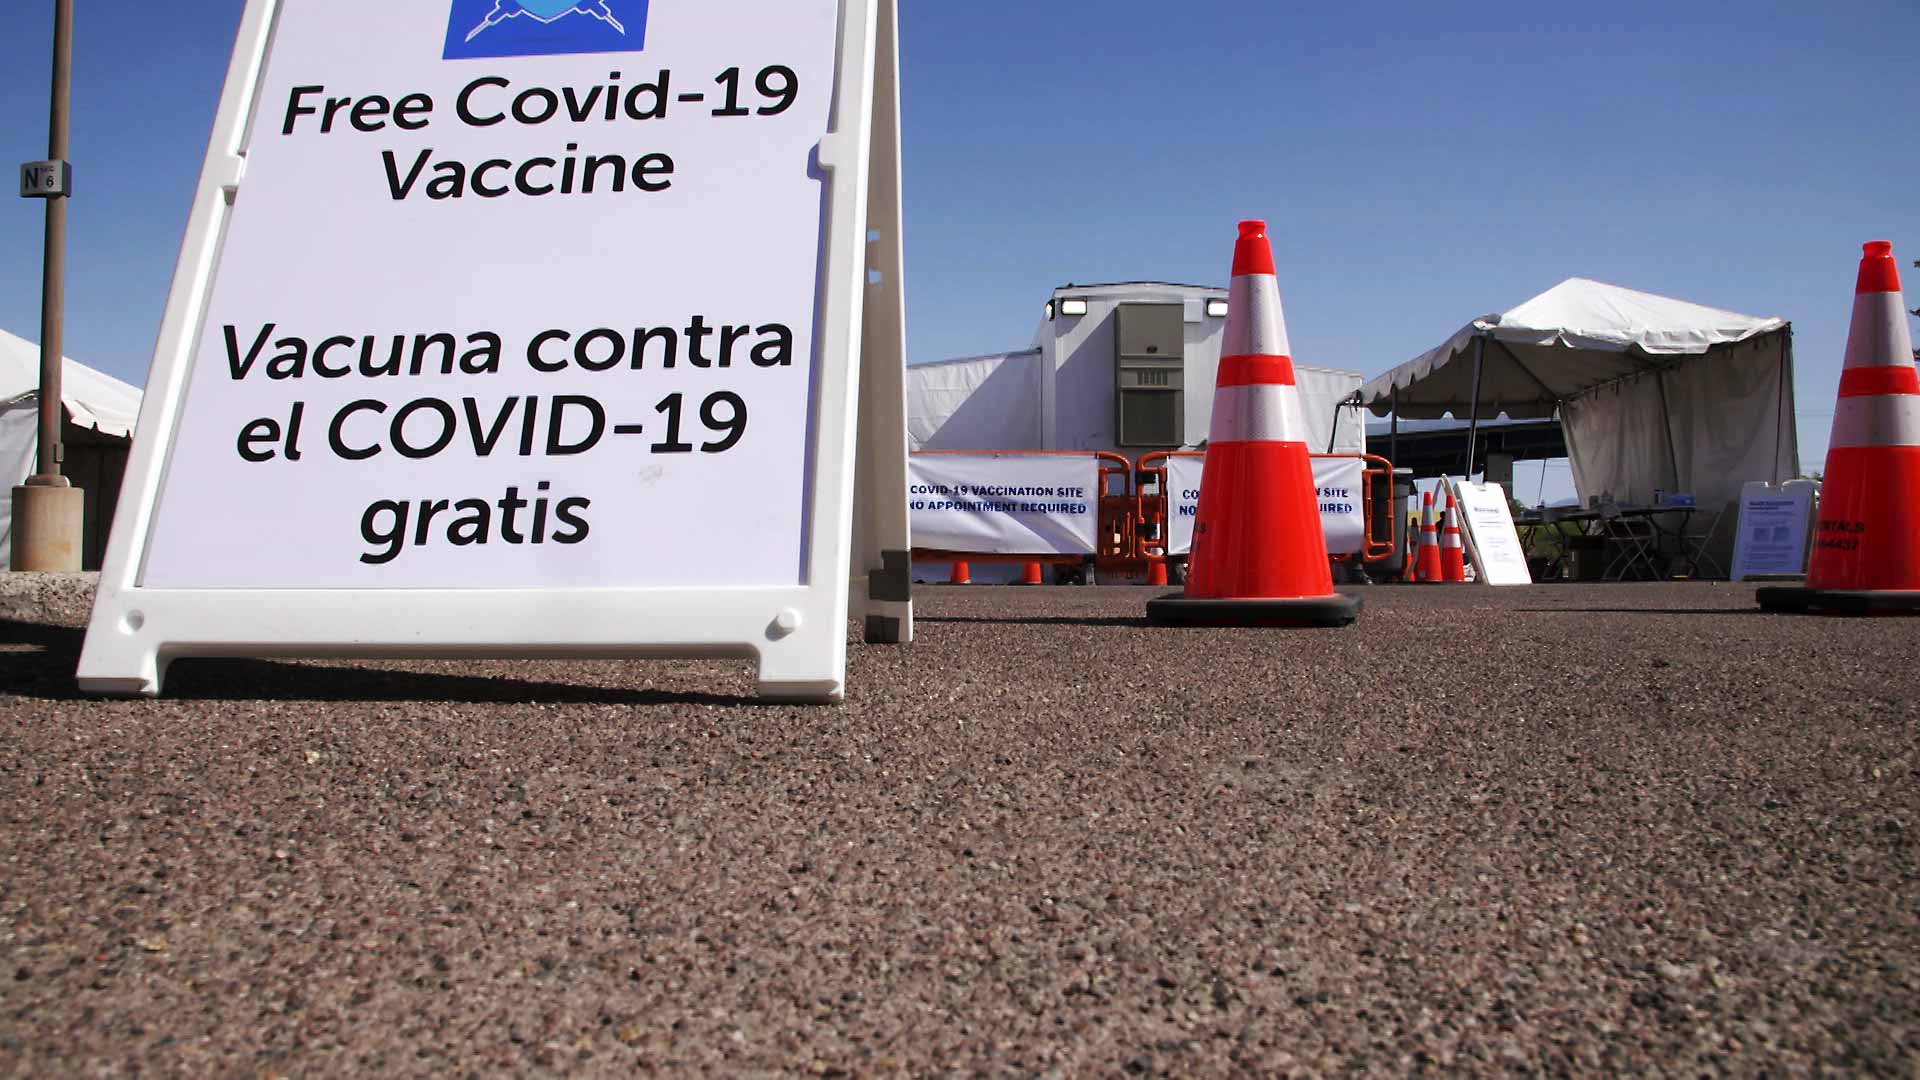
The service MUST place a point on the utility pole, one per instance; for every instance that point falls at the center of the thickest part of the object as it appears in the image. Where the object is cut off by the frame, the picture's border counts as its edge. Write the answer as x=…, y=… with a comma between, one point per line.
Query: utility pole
x=48, y=512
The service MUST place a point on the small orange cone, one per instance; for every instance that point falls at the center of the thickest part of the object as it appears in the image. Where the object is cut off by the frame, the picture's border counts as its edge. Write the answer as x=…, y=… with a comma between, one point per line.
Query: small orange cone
x=962, y=574
x=1030, y=574
x=1259, y=557
x=1453, y=556
x=1429, y=541
x=1866, y=558
x=1410, y=569
x=1157, y=572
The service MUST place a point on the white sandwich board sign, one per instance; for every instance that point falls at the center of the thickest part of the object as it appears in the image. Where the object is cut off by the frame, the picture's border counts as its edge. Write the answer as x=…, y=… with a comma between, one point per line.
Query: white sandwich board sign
x=1494, y=544
x=1772, y=537
x=529, y=328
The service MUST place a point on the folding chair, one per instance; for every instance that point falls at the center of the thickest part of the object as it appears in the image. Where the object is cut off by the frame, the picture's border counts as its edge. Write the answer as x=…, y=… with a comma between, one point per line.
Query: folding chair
x=1693, y=547
x=1545, y=536
x=1637, y=543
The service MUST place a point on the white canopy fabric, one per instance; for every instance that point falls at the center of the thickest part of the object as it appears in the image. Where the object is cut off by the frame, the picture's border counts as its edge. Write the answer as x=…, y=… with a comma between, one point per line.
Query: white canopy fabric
x=92, y=399
x=975, y=403
x=1654, y=393
x=1334, y=424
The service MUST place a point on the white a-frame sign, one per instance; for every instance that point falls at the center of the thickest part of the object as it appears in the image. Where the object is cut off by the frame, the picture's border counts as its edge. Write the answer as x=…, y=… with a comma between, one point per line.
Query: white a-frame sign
x=530, y=328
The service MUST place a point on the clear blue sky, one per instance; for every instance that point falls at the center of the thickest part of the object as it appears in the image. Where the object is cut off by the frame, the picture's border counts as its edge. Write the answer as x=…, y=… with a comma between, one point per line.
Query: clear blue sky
x=1419, y=164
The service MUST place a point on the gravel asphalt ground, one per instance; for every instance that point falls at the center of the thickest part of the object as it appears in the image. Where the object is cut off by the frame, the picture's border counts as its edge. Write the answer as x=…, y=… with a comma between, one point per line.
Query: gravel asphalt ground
x=1569, y=830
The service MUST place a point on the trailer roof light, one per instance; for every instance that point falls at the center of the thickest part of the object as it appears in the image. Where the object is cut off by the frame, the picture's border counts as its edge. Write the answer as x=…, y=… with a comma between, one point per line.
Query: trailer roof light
x=1073, y=306
x=1217, y=309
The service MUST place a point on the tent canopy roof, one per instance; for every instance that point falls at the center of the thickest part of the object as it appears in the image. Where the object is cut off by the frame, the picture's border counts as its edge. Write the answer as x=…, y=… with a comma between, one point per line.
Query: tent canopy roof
x=1574, y=337
x=93, y=399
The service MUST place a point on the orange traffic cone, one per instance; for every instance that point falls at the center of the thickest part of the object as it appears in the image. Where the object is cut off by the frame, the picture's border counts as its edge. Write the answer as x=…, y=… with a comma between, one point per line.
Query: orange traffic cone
x=1030, y=574
x=962, y=574
x=1453, y=557
x=1866, y=559
x=1259, y=558
x=1429, y=541
x=1410, y=570
x=1157, y=572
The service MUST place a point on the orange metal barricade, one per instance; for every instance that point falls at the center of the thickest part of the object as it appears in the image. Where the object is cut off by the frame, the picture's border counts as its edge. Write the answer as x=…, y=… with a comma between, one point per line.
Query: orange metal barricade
x=1132, y=521
x=1380, y=470
x=1152, y=508
x=1116, y=527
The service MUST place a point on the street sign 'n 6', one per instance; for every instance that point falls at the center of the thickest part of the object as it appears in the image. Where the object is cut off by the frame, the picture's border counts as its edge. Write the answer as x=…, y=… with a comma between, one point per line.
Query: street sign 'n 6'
x=45, y=179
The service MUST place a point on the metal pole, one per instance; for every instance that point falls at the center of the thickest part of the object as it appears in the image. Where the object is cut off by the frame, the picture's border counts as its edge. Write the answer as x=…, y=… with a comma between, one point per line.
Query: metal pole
x=1666, y=416
x=1473, y=417
x=1397, y=564
x=1393, y=428
x=1351, y=401
x=49, y=514
x=54, y=264
x=1780, y=417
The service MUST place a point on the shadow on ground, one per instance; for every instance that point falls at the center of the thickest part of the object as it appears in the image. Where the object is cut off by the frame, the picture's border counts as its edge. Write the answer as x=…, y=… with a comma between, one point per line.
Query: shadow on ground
x=1640, y=611
x=45, y=669
x=1037, y=620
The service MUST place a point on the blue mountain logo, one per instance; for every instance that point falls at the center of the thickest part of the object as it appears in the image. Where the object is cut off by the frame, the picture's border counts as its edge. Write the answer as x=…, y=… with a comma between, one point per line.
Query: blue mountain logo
x=484, y=28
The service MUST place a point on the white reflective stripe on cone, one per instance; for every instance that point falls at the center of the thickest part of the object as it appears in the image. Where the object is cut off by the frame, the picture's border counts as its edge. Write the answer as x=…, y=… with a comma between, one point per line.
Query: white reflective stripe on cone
x=1264, y=412
x=1878, y=335
x=1255, y=325
x=1450, y=540
x=1876, y=420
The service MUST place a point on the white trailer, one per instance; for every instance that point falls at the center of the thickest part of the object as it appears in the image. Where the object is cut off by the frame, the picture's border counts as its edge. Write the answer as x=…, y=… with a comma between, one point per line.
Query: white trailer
x=1127, y=368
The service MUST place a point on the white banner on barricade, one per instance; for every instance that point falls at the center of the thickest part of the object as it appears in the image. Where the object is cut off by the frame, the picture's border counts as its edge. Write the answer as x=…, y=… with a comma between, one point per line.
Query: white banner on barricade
x=1343, y=519
x=1004, y=504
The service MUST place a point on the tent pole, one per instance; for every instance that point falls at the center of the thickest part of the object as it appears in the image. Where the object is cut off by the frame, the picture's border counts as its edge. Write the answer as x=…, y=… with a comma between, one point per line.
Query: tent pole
x=1473, y=417
x=1397, y=562
x=1666, y=416
x=1352, y=401
x=1393, y=429
x=1780, y=407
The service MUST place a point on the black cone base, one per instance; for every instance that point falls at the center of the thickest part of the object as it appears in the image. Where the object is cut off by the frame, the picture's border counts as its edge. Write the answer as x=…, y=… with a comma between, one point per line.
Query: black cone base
x=1177, y=609
x=1802, y=601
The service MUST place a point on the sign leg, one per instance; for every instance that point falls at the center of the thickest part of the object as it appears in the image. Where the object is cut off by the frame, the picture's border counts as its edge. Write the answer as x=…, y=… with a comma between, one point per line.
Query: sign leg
x=882, y=579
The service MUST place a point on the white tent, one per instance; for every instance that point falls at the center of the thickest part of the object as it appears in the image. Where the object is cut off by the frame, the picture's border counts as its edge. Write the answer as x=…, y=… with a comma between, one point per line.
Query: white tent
x=1654, y=393
x=93, y=401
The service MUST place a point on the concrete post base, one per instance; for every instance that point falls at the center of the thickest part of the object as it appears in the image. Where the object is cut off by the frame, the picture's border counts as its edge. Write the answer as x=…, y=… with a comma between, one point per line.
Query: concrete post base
x=48, y=523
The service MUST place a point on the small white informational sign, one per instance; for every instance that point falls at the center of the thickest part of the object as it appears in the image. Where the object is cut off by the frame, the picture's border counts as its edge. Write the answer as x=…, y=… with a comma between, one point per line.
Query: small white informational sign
x=1772, y=541
x=1343, y=522
x=514, y=327
x=1006, y=504
x=1498, y=554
